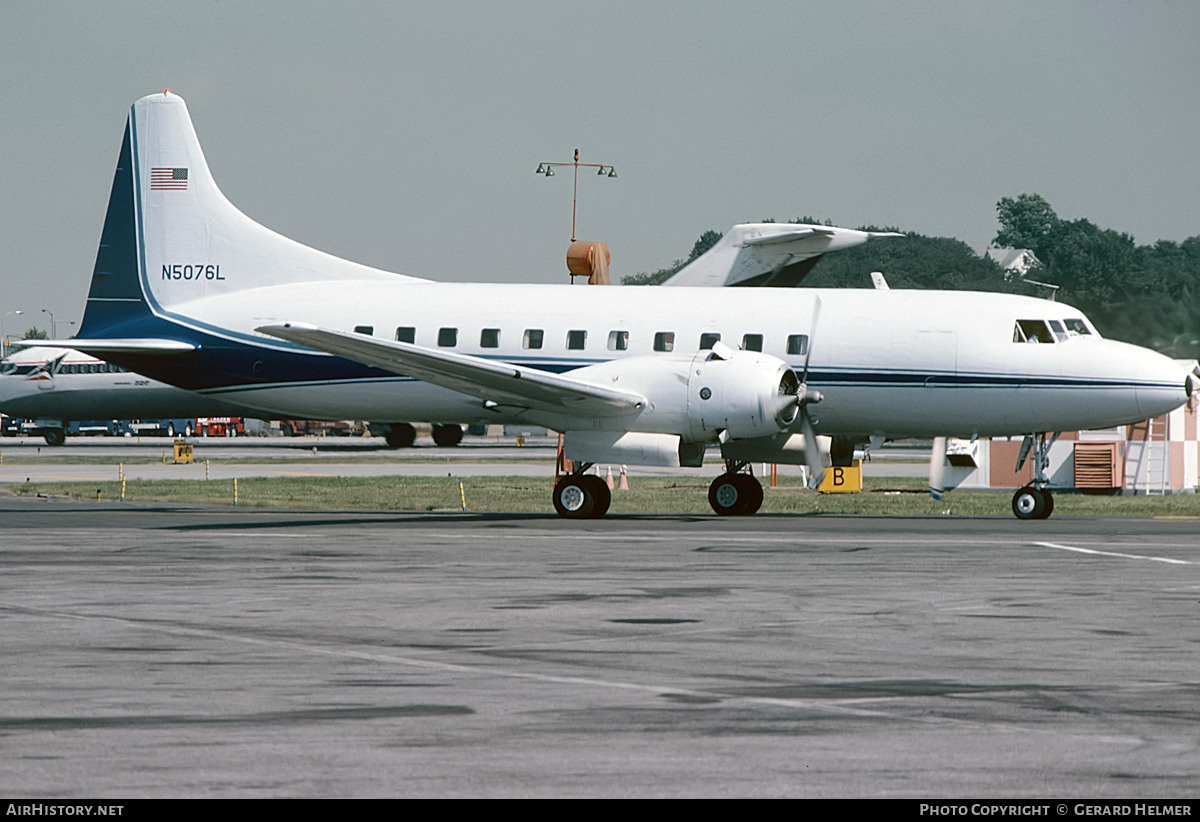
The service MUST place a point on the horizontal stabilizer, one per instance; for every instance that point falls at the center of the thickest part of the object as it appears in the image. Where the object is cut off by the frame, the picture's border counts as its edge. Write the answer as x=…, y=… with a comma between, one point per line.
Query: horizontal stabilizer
x=99, y=347
x=494, y=382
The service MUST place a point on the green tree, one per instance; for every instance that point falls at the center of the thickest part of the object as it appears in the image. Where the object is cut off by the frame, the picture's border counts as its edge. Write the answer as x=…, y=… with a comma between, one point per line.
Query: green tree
x=706, y=241
x=35, y=334
x=914, y=261
x=1027, y=222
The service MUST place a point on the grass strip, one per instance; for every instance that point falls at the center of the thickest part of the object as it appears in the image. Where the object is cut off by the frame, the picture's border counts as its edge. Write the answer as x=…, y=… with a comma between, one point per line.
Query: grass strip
x=650, y=495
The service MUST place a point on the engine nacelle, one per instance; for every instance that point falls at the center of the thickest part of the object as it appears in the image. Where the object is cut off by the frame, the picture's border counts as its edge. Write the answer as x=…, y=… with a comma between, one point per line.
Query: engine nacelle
x=705, y=396
x=783, y=449
x=632, y=448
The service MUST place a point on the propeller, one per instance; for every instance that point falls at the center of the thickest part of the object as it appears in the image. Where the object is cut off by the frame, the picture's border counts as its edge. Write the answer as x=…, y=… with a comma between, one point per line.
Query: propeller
x=937, y=468
x=805, y=396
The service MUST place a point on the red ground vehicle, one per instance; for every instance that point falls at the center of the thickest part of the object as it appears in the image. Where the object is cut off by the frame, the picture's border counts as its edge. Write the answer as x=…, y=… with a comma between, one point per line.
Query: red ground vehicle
x=220, y=426
x=321, y=428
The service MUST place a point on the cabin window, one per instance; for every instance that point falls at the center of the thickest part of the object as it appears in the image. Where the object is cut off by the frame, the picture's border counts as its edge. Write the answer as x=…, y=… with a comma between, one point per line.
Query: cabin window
x=618, y=340
x=797, y=344
x=709, y=339
x=1077, y=326
x=447, y=337
x=532, y=338
x=489, y=338
x=576, y=340
x=1032, y=331
x=406, y=333
x=752, y=342
x=664, y=341
x=364, y=329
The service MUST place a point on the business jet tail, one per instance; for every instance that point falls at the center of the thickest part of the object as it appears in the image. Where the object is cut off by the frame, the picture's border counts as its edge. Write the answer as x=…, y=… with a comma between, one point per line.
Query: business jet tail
x=769, y=254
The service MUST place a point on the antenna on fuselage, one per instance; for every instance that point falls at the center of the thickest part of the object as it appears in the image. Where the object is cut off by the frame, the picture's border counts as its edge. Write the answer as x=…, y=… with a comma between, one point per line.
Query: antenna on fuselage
x=1053, y=289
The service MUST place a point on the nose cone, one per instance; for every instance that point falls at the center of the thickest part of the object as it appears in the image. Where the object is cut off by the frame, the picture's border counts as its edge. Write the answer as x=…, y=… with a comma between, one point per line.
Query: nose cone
x=1162, y=384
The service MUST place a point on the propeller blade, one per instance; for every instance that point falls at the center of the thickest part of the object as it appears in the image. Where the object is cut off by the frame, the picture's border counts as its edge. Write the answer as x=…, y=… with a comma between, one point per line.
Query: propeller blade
x=937, y=468
x=812, y=451
x=812, y=336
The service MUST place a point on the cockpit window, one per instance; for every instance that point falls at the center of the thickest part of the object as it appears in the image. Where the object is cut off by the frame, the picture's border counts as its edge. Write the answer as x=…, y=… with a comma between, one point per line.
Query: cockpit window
x=1059, y=332
x=1077, y=326
x=1032, y=331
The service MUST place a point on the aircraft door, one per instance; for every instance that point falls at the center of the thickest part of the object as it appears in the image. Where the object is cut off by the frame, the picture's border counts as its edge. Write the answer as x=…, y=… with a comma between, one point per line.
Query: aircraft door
x=933, y=355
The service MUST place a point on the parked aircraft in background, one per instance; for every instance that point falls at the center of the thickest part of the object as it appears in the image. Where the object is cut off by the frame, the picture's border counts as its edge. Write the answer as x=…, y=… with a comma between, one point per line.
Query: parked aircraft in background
x=57, y=388
x=188, y=290
x=54, y=387
x=769, y=254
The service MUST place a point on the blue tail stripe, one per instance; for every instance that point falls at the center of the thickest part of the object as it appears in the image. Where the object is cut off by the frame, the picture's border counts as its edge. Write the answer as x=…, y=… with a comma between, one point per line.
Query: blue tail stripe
x=116, y=295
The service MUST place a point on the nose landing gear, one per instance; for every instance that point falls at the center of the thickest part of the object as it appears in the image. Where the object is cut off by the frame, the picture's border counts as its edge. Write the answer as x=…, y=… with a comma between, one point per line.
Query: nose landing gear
x=1033, y=501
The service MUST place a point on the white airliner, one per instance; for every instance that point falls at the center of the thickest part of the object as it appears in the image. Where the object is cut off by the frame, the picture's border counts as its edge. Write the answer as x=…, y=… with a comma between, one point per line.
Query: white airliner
x=56, y=386
x=188, y=290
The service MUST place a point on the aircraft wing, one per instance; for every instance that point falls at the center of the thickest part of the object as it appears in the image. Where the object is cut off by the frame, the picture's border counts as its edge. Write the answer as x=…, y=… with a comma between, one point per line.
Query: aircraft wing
x=492, y=381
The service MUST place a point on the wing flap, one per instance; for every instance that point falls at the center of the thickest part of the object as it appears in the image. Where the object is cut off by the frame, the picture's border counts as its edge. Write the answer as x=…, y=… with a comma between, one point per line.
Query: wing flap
x=493, y=381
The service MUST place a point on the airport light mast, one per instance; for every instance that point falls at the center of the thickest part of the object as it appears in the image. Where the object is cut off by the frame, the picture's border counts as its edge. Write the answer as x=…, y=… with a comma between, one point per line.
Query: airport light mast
x=53, y=327
x=603, y=171
x=548, y=170
x=3, y=336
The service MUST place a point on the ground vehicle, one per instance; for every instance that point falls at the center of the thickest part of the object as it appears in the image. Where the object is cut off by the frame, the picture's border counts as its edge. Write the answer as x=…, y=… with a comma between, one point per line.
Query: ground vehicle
x=182, y=427
x=322, y=428
x=87, y=428
x=219, y=426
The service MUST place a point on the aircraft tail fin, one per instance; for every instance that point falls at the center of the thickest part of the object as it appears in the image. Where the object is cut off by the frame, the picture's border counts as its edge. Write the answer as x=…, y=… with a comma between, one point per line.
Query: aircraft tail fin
x=171, y=237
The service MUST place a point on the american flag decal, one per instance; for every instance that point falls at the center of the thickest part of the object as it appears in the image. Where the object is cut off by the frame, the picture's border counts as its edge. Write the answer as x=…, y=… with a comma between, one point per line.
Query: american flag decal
x=168, y=179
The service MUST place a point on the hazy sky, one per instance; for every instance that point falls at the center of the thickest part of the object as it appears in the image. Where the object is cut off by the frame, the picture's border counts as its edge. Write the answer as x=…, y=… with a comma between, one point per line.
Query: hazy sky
x=405, y=135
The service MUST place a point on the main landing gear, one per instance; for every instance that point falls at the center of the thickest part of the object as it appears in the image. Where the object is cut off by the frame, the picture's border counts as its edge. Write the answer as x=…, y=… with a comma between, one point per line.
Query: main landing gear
x=581, y=496
x=1033, y=501
x=734, y=494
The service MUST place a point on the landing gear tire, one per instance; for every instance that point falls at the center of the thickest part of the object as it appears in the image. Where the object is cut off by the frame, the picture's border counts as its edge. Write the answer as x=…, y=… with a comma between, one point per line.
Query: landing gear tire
x=447, y=435
x=1032, y=503
x=400, y=435
x=581, y=496
x=735, y=495
x=54, y=436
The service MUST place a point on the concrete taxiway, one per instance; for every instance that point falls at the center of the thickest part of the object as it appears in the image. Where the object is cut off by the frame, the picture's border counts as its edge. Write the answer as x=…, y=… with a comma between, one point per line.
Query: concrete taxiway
x=170, y=651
